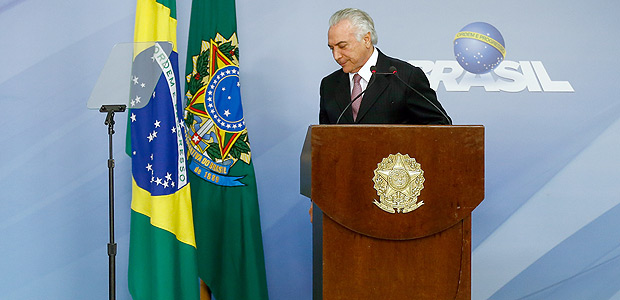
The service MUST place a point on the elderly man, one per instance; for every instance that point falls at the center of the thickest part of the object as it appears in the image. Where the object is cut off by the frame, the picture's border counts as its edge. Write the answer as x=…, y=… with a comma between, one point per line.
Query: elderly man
x=386, y=99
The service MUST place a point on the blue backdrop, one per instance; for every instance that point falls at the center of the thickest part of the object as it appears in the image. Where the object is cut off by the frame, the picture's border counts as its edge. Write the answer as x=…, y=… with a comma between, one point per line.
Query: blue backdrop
x=548, y=228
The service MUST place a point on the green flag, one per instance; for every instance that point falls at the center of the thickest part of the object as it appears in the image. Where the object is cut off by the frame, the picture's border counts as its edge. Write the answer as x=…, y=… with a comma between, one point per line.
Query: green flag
x=225, y=204
x=162, y=249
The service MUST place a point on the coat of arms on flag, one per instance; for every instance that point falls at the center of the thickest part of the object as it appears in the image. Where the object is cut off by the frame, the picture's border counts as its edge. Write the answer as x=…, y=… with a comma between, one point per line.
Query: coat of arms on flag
x=217, y=136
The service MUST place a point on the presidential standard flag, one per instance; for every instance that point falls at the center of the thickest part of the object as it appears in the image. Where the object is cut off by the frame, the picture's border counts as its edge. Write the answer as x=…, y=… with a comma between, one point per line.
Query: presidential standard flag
x=162, y=252
x=225, y=203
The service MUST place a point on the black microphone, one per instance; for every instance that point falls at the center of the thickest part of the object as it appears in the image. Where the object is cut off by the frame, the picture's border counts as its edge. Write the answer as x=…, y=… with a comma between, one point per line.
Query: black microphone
x=395, y=72
x=373, y=69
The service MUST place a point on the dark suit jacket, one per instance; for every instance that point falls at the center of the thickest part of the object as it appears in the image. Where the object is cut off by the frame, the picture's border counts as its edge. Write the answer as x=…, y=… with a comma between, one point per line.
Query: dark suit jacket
x=386, y=101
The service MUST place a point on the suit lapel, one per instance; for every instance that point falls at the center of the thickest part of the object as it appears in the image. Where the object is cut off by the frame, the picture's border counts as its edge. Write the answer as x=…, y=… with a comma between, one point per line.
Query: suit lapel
x=378, y=87
x=343, y=97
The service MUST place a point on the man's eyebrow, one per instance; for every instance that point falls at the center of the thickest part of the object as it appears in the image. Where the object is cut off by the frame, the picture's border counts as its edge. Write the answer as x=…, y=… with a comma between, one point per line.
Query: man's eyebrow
x=339, y=43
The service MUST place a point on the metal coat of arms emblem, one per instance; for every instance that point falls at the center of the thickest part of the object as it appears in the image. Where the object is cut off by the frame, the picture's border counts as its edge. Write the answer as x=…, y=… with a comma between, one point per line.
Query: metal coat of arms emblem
x=398, y=180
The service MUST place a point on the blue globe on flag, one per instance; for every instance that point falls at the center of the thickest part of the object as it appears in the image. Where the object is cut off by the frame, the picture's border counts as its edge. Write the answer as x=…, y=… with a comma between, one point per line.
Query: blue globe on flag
x=224, y=99
x=479, y=47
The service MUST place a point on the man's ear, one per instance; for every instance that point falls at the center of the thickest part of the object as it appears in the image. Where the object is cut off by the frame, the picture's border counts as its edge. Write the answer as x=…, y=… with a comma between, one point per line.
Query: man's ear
x=367, y=40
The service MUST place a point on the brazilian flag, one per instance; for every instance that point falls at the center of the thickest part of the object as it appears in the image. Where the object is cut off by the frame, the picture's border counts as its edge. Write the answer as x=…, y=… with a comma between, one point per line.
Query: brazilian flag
x=162, y=251
x=225, y=203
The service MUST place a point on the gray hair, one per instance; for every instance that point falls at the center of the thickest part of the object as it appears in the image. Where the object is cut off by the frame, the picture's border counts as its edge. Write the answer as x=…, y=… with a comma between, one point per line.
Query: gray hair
x=359, y=19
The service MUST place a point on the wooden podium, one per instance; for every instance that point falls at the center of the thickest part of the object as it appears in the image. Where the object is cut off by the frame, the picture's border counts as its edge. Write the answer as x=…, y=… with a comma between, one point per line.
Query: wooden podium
x=361, y=251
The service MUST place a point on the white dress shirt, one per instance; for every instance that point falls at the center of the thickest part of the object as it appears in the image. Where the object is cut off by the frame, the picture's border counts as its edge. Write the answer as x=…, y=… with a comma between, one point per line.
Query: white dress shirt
x=365, y=71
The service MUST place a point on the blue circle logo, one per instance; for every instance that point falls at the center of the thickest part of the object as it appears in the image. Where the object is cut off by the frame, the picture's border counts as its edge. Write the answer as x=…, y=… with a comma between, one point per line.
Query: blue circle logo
x=479, y=48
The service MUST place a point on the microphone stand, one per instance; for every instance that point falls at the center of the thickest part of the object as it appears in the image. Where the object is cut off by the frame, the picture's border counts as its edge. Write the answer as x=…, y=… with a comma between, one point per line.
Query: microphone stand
x=109, y=120
x=395, y=72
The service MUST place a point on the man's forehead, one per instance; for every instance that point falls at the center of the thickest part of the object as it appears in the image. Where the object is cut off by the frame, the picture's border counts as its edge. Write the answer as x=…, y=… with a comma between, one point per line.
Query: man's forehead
x=342, y=26
x=339, y=33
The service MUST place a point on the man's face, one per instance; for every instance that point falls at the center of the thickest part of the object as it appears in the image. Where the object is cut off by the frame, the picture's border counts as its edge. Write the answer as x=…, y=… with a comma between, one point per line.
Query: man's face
x=348, y=52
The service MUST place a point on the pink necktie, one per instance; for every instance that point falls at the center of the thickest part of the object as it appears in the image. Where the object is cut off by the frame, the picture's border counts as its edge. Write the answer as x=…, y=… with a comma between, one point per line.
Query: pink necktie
x=357, y=89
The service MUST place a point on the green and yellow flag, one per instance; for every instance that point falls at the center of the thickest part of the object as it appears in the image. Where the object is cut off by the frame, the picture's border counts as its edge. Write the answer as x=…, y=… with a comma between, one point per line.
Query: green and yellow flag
x=162, y=250
x=225, y=203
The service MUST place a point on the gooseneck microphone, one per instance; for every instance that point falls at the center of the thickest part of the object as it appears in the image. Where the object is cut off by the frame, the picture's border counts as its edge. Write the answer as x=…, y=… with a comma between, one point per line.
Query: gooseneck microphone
x=373, y=69
x=394, y=71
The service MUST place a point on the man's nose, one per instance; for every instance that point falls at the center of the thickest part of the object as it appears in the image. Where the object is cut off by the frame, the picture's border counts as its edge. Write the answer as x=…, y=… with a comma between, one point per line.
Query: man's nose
x=336, y=54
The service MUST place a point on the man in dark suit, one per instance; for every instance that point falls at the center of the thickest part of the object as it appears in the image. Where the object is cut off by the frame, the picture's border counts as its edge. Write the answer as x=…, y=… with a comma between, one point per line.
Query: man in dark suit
x=352, y=39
